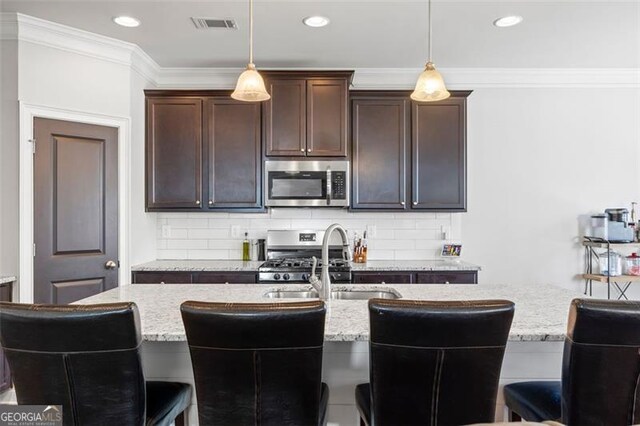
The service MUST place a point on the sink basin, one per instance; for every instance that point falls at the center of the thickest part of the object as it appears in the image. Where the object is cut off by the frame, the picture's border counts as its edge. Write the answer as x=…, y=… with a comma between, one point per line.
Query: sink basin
x=364, y=294
x=291, y=294
x=335, y=294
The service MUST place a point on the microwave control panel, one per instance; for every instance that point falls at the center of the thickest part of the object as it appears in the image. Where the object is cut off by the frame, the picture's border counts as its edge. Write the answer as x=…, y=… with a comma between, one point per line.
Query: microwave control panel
x=338, y=185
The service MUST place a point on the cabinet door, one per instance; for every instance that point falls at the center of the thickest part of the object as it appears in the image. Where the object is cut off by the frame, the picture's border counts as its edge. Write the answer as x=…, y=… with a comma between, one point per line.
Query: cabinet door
x=383, y=278
x=225, y=277
x=439, y=157
x=285, y=118
x=162, y=277
x=234, y=154
x=327, y=105
x=379, y=153
x=174, y=153
x=447, y=277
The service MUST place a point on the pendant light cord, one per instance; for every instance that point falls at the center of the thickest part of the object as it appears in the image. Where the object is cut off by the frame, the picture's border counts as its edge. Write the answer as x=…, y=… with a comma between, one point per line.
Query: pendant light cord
x=251, y=31
x=430, y=31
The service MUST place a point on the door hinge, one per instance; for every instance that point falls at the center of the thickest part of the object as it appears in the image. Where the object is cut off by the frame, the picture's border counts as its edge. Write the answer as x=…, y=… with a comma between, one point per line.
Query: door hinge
x=34, y=249
x=33, y=145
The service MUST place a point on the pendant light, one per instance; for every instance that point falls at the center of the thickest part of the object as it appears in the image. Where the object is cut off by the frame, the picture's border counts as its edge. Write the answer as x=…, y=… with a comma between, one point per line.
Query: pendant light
x=250, y=86
x=430, y=86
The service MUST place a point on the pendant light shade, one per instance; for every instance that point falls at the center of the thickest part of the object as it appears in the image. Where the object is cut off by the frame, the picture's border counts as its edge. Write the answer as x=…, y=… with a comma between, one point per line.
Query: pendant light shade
x=430, y=86
x=250, y=86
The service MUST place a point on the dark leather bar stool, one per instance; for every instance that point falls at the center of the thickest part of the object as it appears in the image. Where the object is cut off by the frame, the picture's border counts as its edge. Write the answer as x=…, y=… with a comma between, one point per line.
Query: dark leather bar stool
x=257, y=364
x=434, y=363
x=87, y=359
x=600, y=370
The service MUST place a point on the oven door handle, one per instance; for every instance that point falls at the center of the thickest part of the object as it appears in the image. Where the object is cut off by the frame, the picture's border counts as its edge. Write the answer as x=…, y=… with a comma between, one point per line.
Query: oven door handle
x=328, y=186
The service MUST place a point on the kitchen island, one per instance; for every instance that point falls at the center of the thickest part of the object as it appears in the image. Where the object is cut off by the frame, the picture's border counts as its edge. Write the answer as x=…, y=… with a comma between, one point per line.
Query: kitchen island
x=534, y=350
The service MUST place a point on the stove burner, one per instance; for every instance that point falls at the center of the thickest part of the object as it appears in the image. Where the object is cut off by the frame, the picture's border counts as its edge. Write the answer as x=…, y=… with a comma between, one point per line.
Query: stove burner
x=303, y=263
x=298, y=270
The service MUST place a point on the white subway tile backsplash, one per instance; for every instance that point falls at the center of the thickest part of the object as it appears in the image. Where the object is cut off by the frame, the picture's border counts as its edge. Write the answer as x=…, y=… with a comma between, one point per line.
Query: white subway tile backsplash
x=408, y=235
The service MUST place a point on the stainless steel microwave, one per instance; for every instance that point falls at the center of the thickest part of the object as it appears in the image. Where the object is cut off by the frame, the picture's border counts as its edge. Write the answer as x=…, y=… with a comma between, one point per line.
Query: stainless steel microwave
x=306, y=183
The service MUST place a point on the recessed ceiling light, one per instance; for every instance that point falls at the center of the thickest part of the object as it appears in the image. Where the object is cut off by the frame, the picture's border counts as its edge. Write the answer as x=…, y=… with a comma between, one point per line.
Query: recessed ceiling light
x=508, y=21
x=316, y=21
x=126, y=21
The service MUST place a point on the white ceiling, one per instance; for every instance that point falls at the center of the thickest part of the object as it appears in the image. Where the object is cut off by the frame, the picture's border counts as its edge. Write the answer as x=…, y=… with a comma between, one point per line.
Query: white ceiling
x=366, y=34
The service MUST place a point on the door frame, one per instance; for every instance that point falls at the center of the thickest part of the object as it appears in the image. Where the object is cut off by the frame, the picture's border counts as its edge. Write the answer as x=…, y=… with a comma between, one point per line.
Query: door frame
x=28, y=113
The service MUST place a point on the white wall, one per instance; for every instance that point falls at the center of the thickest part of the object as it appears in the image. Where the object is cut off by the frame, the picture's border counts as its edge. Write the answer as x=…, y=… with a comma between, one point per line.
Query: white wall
x=539, y=158
x=142, y=225
x=9, y=158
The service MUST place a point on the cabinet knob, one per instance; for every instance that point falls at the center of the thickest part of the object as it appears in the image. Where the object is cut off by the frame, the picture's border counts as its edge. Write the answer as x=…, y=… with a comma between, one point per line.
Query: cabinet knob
x=447, y=282
x=198, y=202
x=301, y=149
x=415, y=203
x=161, y=282
x=402, y=203
x=382, y=282
x=308, y=149
x=210, y=202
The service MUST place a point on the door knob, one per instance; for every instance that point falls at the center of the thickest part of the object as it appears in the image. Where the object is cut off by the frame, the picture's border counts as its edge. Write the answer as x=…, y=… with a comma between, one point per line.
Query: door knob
x=110, y=265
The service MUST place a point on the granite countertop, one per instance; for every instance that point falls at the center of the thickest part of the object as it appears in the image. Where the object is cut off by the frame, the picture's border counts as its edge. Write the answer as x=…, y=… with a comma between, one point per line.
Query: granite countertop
x=541, y=310
x=239, y=265
x=415, y=265
x=198, y=265
x=6, y=279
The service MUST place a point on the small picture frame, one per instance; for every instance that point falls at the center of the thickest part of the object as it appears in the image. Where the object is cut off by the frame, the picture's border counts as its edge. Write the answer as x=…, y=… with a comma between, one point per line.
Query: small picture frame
x=451, y=250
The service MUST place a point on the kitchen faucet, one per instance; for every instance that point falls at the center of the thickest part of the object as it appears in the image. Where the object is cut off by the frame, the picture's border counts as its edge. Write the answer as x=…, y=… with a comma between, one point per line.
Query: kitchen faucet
x=323, y=285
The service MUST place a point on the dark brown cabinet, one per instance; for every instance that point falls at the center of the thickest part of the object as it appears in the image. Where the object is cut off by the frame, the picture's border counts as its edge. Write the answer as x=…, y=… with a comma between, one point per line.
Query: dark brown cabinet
x=174, y=152
x=417, y=277
x=204, y=152
x=380, y=152
x=407, y=155
x=383, y=277
x=168, y=277
x=5, y=375
x=235, y=161
x=438, y=172
x=307, y=114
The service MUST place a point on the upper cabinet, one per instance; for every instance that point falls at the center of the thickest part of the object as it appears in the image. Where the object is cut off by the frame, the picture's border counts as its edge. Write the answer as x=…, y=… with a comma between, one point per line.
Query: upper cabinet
x=204, y=152
x=307, y=114
x=174, y=152
x=406, y=155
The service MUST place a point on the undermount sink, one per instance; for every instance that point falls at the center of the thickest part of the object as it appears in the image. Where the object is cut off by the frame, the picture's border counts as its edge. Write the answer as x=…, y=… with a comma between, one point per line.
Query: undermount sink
x=291, y=294
x=335, y=294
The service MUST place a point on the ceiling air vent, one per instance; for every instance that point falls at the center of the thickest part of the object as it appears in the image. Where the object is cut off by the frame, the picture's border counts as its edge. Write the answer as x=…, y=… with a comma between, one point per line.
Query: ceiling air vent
x=220, y=23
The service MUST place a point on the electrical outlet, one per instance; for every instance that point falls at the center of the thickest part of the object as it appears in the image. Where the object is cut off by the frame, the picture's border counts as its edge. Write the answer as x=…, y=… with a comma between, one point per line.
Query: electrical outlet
x=235, y=231
x=166, y=231
x=372, y=231
x=445, y=232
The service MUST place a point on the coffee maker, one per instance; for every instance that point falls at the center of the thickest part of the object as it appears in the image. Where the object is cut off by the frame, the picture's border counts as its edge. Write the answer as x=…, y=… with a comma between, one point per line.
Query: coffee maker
x=618, y=229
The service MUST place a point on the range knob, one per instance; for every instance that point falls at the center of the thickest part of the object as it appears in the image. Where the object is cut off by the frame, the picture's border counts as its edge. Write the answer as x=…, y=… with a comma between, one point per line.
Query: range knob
x=286, y=277
x=305, y=277
x=276, y=276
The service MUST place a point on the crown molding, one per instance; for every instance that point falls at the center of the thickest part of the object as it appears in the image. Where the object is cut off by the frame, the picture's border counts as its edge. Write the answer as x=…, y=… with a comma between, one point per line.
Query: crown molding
x=16, y=26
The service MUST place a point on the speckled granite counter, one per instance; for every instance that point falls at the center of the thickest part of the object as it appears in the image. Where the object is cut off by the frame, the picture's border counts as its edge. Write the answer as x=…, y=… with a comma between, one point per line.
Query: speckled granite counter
x=415, y=265
x=6, y=279
x=197, y=265
x=541, y=311
x=239, y=265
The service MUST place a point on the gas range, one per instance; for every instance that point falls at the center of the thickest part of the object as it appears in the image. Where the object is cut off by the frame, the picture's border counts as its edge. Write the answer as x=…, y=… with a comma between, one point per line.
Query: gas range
x=289, y=257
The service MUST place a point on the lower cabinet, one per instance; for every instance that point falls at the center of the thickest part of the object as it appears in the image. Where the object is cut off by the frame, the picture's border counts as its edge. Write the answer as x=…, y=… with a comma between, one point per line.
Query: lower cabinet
x=5, y=375
x=169, y=277
x=421, y=277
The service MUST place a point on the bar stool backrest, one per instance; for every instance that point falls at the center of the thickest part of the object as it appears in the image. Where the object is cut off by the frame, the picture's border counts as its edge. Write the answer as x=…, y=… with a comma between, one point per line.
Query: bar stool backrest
x=83, y=357
x=256, y=363
x=601, y=363
x=438, y=362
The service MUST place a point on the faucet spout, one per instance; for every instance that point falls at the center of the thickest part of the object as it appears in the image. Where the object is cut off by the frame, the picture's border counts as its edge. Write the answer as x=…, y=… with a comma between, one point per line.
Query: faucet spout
x=325, y=278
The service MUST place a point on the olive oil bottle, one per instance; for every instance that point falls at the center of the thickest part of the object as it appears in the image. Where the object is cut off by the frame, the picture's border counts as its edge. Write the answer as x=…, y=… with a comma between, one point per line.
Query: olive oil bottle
x=246, y=252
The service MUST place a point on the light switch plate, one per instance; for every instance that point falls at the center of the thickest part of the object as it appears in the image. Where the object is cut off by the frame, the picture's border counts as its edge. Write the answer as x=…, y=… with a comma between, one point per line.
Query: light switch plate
x=235, y=231
x=372, y=231
x=166, y=231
